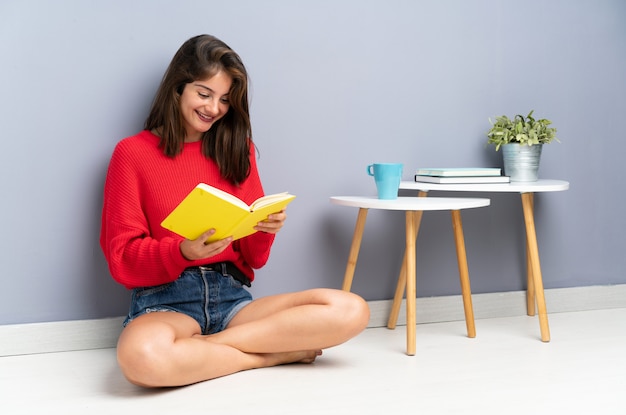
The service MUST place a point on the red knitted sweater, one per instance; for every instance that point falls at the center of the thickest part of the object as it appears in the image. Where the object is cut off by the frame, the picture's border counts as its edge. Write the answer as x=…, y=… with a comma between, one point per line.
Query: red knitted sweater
x=142, y=187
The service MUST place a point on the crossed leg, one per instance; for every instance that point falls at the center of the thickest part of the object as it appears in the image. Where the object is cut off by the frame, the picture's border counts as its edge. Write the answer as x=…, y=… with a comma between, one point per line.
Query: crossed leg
x=167, y=349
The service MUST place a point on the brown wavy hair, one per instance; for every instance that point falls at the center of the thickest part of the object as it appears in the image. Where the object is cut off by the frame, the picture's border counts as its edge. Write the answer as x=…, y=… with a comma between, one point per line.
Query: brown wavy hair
x=228, y=141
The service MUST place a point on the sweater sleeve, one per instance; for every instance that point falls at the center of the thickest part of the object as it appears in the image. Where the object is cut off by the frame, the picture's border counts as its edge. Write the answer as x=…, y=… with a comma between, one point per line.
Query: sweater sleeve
x=135, y=258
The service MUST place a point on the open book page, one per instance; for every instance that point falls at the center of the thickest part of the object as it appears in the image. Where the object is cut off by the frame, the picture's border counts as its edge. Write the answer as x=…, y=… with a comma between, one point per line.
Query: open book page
x=260, y=213
x=224, y=195
x=268, y=200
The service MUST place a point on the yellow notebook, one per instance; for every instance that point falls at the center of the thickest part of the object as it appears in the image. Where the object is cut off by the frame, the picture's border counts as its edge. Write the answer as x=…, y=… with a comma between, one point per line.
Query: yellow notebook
x=207, y=207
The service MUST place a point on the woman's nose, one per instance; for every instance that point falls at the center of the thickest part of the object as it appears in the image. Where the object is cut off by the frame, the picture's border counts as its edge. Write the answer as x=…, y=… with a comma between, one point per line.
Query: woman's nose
x=213, y=106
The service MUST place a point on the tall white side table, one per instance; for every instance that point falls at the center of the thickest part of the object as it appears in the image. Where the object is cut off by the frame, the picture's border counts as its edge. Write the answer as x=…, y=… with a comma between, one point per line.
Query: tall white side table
x=527, y=190
x=413, y=208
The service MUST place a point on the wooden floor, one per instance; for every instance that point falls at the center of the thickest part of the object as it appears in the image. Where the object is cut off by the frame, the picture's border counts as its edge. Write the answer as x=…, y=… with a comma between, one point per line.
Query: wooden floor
x=506, y=369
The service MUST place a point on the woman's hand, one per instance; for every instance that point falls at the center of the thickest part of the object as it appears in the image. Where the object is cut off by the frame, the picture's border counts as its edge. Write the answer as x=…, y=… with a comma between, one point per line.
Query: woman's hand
x=199, y=249
x=273, y=223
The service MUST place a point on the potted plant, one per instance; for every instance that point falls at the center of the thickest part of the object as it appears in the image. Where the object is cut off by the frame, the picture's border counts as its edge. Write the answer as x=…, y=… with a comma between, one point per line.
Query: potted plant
x=521, y=139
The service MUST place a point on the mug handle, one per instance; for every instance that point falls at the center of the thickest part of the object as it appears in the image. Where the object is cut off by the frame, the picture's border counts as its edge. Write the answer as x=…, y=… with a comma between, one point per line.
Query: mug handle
x=369, y=169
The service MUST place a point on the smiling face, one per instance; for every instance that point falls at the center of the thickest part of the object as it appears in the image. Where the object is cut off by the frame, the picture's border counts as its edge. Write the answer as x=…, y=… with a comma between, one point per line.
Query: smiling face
x=203, y=102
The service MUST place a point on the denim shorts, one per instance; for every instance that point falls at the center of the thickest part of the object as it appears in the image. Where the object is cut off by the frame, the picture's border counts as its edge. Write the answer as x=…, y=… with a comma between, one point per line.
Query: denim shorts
x=210, y=297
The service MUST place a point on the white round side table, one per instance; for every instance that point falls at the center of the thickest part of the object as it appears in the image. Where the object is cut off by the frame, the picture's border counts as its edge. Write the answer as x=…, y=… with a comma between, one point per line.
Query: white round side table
x=413, y=208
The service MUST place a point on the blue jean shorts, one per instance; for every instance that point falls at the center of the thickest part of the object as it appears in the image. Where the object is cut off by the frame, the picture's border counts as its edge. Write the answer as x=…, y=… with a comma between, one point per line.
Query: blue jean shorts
x=210, y=297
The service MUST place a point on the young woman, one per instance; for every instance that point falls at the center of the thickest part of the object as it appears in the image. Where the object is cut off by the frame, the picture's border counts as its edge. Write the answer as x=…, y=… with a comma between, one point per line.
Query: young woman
x=190, y=317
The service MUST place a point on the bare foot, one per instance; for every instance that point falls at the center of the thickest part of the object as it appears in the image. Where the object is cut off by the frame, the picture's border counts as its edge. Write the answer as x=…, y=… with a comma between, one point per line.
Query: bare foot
x=275, y=359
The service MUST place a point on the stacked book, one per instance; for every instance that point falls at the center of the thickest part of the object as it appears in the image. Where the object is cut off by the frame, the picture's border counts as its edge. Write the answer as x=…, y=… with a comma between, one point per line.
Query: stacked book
x=461, y=175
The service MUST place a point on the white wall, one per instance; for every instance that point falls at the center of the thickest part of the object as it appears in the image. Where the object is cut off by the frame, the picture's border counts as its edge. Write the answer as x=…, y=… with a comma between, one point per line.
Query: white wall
x=336, y=85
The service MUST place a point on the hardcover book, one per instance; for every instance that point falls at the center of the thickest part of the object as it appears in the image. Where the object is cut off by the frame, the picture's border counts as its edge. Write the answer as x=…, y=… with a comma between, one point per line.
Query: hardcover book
x=207, y=207
x=464, y=179
x=460, y=171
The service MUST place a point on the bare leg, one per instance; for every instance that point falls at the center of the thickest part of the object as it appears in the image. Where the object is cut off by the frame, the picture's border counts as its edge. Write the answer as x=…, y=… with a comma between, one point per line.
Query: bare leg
x=166, y=349
x=306, y=320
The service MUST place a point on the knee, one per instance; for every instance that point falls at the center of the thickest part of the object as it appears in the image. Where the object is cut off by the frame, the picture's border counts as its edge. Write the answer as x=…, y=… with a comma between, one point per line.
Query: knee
x=136, y=365
x=142, y=362
x=354, y=311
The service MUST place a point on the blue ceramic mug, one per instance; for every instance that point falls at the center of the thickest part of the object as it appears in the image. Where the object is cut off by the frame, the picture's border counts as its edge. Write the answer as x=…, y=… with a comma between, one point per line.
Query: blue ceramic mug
x=387, y=177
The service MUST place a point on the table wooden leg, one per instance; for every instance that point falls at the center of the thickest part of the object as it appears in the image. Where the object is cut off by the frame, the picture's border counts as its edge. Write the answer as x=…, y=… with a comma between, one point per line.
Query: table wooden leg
x=354, y=249
x=530, y=286
x=461, y=255
x=410, y=283
x=397, y=298
x=401, y=285
x=533, y=252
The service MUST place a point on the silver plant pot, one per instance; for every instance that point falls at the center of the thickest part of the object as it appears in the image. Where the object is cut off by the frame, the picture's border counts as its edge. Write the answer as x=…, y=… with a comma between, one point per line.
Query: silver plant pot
x=521, y=162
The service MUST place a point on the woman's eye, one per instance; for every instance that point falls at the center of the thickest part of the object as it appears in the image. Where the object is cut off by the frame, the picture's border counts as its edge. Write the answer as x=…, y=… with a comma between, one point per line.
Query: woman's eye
x=203, y=95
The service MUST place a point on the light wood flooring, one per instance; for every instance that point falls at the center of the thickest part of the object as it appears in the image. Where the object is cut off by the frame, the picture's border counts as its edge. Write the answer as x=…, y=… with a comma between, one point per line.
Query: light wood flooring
x=506, y=369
